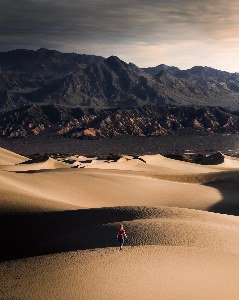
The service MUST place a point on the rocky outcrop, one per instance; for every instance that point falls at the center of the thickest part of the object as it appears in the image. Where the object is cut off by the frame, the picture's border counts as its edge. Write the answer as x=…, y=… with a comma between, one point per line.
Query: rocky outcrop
x=90, y=123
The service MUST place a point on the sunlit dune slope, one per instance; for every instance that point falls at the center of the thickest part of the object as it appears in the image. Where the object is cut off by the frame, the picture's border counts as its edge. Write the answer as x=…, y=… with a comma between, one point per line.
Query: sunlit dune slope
x=138, y=273
x=152, y=180
x=10, y=158
x=48, y=164
x=97, y=188
x=152, y=163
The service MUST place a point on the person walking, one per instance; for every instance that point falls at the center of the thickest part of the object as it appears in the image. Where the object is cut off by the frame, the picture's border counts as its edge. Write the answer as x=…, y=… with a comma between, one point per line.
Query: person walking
x=121, y=235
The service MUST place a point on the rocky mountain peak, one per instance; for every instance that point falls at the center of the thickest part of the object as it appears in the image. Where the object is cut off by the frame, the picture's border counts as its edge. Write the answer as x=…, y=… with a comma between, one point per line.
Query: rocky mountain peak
x=115, y=63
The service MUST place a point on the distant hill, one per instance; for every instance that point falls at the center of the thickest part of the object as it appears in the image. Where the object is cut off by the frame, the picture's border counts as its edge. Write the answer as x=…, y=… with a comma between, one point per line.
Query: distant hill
x=75, y=80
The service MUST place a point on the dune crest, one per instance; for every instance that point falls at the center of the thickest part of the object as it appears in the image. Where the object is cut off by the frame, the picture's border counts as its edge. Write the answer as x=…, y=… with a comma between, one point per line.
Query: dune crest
x=10, y=158
x=51, y=163
x=161, y=226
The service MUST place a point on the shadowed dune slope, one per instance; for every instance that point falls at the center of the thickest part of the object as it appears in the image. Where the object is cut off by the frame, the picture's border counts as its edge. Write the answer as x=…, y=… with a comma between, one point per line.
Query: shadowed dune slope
x=220, y=161
x=229, y=189
x=96, y=228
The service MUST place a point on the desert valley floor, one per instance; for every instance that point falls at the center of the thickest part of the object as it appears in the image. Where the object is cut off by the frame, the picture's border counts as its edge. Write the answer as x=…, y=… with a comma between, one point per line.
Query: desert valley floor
x=59, y=220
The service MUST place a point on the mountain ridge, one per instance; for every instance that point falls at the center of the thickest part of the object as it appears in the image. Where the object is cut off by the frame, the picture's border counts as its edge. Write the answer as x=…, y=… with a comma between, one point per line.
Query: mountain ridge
x=51, y=77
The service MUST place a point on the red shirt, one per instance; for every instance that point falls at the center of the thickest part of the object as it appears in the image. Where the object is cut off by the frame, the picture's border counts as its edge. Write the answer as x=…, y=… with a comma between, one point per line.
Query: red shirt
x=121, y=232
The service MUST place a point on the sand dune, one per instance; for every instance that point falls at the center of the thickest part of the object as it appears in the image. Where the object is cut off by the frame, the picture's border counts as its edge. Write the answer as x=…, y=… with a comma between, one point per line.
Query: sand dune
x=148, y=272
x=177, y=246
x=151, y=163
x=99, y=188
x=49, y=164
x=160, y=164
x=170, y=254
x=145, y=226
x=10, y=158
x=175, y=165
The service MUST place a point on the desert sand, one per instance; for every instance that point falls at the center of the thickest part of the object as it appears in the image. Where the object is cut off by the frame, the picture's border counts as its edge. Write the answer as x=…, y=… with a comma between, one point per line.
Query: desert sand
x=59, y=221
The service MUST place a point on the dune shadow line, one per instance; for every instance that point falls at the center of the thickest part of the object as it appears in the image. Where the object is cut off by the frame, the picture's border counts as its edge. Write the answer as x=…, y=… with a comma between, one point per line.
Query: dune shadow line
x=20, y=232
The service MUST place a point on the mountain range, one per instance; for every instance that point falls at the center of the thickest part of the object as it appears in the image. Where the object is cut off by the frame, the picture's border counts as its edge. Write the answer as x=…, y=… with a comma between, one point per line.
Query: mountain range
x=75, y=80
x=92, y=97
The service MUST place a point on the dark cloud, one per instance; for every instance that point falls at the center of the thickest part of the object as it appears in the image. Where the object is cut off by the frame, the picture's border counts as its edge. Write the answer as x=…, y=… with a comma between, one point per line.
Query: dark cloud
x=63, y=24
x=112, y=20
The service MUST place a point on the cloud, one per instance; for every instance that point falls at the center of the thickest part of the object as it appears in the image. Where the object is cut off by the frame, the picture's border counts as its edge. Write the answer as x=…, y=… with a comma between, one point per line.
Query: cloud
x=117, y=20
x=102, y=24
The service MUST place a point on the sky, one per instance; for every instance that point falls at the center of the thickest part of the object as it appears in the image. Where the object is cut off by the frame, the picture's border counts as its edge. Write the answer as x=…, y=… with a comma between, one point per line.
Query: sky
x=181, y=33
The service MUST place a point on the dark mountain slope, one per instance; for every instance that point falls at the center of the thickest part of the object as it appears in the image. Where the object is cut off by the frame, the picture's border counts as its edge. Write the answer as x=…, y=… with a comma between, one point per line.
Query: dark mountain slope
x=108, y=83
x=113, y=83
x=25, y=71
x=220, y=83
x=50, y=77
x=44, y=61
